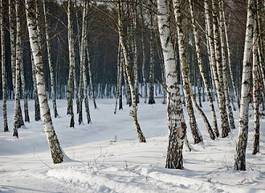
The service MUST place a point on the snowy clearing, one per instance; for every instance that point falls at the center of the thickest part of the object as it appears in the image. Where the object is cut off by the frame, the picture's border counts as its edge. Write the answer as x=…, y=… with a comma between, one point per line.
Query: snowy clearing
x=106, y=157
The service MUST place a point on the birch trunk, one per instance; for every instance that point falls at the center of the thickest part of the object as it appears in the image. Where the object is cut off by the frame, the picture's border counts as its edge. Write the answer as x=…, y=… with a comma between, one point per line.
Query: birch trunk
x=229, y=63
x=202, y=68
x=240, y=157
x=56, y=151
x=176, y=123
x=185, y=73
x=129, y=78
x=24, y=92
x=211, y=51
x=71, y=84
x=220, y=83
x=3, y=65
x=225, y=66
x=119, y=78
x=143, y=52
x=91, y=85
x=18, y=119
x=50, y=62
x=256, y=89
x=135, y=51
x=12, y=32
x=85, y=54
x=151, y=81
x=85, y=69
x=82, y=64
x=35, y=92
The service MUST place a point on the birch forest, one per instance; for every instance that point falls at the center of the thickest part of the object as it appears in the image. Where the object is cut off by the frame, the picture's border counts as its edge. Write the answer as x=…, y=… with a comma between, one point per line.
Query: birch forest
x=132, y=96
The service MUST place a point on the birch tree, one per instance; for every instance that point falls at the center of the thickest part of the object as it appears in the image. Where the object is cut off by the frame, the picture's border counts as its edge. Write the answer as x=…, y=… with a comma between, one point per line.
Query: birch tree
x=24, y=93
x=91, y=85
x=175, y=116
x=35, y=92
x=202, y=70
x=151, y=79
x=220, y=81
x=18, y=119
x=50, y=62
x=82, y=61
x=225, y=65
x=12, y=32
x=133, y=112
x=210, y=49
x=185, y=73
x=240, y=157
x=256, y=85
x=84, y=54
x=86, y=86
x=54, y=145
x=3, y=65
x=70, y=86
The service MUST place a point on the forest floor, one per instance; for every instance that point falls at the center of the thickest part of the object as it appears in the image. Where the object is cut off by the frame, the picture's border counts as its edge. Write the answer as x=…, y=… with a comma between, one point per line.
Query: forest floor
x=105, y=156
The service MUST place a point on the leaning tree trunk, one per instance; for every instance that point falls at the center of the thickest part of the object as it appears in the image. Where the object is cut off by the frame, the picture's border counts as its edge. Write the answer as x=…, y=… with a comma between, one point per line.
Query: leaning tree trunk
x=3, y=64
x=202, y=69
x=185, y=73
x=220, y=83
x=54, y=145
x=18, y=119
x=176, y=123
x=50, y=62
x=240, y=157
x=70, y=86
x=134, y=113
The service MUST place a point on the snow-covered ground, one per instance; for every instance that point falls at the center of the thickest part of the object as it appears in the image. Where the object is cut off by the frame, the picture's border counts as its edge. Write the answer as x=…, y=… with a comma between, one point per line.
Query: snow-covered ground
x=106, y=157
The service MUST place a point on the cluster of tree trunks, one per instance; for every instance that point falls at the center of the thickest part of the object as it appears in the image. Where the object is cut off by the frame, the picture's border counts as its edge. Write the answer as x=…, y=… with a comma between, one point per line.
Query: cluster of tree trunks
x=155, y=45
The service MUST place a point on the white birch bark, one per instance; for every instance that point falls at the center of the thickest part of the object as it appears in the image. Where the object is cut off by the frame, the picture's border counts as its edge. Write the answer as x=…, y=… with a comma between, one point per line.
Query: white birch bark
x=24, y=92
x=134, y=109
x=82, y=64
x=12, y=32
x=240, y=157
x=54, y=145
x=71, y=78
x=151, y=78
x=203, y=70
x=50, y=62
x=225, y=65
x=256, y=87
x=220, y=83
x=18, y=119
x=230, y=72
x=175, y=116
x=3, y=65
x=185, y=73
x=35, y=92
x=210, y=49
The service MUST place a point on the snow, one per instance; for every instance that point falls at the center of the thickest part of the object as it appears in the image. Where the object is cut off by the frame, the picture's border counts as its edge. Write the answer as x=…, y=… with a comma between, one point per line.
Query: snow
x=105, y=157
